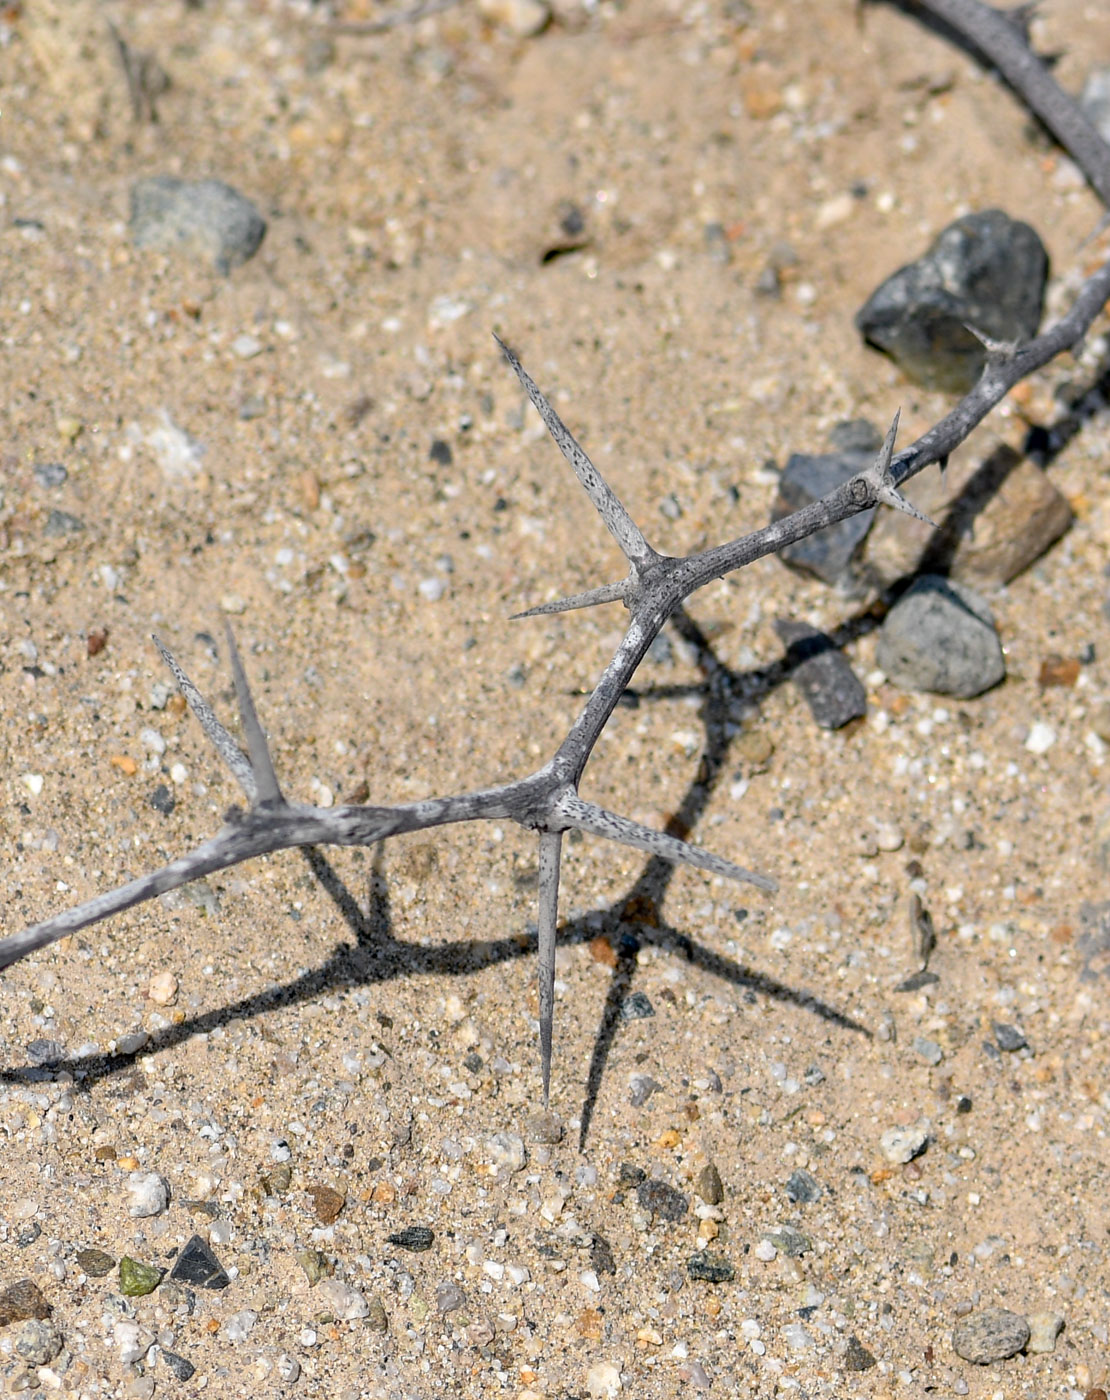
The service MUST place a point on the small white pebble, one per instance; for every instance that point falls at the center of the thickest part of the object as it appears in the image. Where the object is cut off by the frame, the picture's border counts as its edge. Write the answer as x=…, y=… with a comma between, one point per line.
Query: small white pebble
x=162, y=989
x=432, y=588
x=765, y=1250
x=179, y=774
x=149, y=1194
x=33, y=783
x=1041, y=738
x=588, y=1279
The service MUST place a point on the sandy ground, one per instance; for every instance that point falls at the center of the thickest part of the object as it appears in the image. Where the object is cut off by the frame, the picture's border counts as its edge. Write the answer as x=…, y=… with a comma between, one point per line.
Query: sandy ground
x=368, y=1024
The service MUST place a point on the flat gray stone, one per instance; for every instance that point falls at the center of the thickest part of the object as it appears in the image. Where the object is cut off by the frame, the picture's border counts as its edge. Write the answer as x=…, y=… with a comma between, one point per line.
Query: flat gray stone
x=993, y=1334
x=985, y=270
x=204, y=218
x=831, y=553
x=940, y=637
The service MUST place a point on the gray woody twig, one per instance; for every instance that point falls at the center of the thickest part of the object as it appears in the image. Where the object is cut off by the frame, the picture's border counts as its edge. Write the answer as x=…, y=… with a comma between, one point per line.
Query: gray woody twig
x=656, y=585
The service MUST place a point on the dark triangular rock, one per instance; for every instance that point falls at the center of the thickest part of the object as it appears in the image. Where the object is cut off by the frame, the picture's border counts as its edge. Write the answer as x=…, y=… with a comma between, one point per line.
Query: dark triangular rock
x=198, y=1266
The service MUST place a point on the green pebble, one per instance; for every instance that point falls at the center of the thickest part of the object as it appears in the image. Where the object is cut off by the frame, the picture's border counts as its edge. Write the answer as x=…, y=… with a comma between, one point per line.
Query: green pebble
x=136, y=1280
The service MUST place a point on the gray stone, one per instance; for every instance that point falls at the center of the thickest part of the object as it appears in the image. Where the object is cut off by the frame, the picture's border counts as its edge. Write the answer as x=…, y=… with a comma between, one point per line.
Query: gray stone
x=50, y=473
x=1008, y=1038
x=204, y=218
x=38, y=1342
x=857, y=1357
x=929, y=1050
x=832, y=690
x=829, y=554
x=636, y=1007
x=60, y=522
x=990, y=1335
x=940, y=637
x=662, y=1200
x=789, y=1240
x=183, y=1369
x=985, y=270
x=709, y=1185
x=416, y=1238
x=802, y=1187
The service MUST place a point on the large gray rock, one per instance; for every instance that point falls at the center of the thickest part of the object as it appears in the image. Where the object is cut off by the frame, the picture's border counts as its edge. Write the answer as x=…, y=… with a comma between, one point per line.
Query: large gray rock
x=940, y=636
x=985, y=270
x=204, y=218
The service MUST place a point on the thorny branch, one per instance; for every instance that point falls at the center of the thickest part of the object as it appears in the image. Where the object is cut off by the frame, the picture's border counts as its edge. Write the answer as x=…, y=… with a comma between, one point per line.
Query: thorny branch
x=656, y=586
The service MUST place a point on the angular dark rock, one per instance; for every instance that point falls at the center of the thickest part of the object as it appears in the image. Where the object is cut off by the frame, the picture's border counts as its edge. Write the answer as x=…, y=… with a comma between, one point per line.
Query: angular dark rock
x=20, y=1301
x=95, y=1262
x=940, y=637
x=198, y=1267
x=184, y=1370
x=986, y=270
x=710, y=1268
x=857, y=1357
x=832, y=690
x=1009, y=1038
x=662, y=1200
x=416, y=1238
x=601, y=1256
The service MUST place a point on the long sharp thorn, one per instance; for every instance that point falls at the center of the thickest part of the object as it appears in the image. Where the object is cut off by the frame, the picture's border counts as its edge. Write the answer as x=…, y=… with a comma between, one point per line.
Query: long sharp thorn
x=606, y=502
x=262, y=765
x=607, y=593
x=551, y=843
x=882, y=479
x=601, y=822
x=217, y=735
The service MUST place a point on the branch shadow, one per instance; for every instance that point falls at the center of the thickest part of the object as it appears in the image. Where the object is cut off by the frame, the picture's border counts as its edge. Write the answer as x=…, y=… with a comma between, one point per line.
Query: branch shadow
x=629, y=922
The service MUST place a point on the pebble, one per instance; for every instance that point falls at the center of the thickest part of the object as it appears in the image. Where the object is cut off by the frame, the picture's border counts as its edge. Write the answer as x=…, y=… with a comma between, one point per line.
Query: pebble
x=521, y=18
x=60, y=523
x=204, y=218
x=900, y=1145
x=415, y=1238
x=95, y=1262
x=198, y=1267
x=802, y=1187
x=131, y=1044
x=327, y=1202
x=546, y=1128
x=636, y=1007
x=1009, y=1038
x=796, y=1337
x=50, y=473
x=601, y=1255
x=162, y=989
x=1044, y=1328
x=38, y=1342
x=137, y=1279
x=929, y=1050
x=316, y=1265
x=709, y=1185
x=765, y=1251
x=822, y=673
x=449, y=1297
x=184, y=1370
x=342, y=1300
x=148, y=1191
x=603, y=1380
x=20, y=1301
x=238, y=1327
x=831, y=554
x=857, y=1357
x=985, y=270
x=640, y=1089
x=789, y=1240
x=662, y=1200
x=990, y=1335
x=505, y=1152
x=1040, y=738
x=710, y=1268
x=940, y=637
